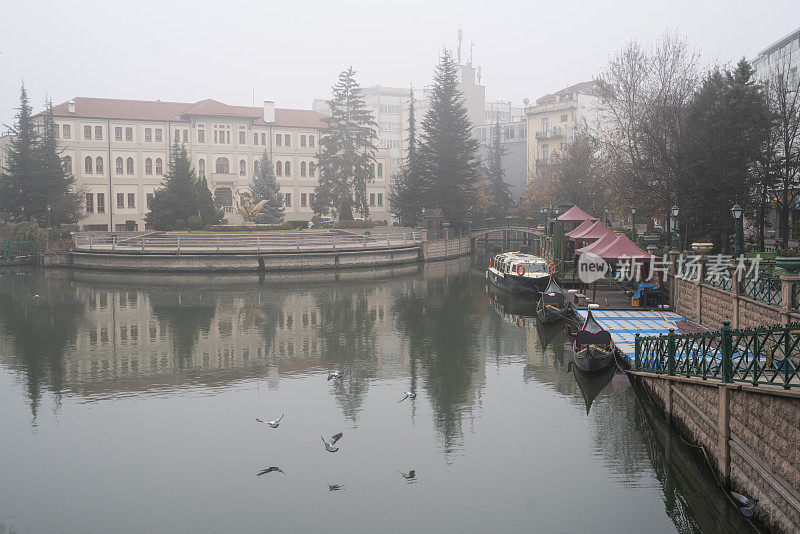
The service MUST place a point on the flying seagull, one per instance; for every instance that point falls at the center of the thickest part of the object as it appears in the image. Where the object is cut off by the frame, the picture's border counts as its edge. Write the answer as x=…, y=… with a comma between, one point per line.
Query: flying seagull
x=408, y=395
x=273, y=424
x=270, y=470
x=36, y=296
x=329, y=444
x=334, y=374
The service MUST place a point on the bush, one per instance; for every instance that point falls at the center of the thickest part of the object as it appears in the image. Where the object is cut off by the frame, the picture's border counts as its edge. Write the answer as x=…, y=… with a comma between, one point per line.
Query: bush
x=316, y=219
x=194, y=223
x=354, y=224
x=299, y=225
x=25, y=231
x=178, y=224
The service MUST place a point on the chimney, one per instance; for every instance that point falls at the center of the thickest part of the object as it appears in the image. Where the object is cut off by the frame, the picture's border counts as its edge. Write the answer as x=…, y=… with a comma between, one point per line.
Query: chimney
x=269, y=111
x=71, y=106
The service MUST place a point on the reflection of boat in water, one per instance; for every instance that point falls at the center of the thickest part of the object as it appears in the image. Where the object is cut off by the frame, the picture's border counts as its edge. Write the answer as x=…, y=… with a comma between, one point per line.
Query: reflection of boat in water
x=552, y=304
x=506, y=302
x=523, y=274
x=548, y=332
x=594, y=349
x=591, y=384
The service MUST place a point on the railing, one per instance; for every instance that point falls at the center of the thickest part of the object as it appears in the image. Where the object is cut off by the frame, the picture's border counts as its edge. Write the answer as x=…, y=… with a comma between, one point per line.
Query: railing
x=11, y=250
x=507, y=222
x=757, y=356
x=765, y=288
x=241, y=243
x=447, y=234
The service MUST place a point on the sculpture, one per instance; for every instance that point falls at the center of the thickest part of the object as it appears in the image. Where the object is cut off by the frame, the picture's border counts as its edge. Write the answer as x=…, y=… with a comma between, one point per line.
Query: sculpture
x=247, y=209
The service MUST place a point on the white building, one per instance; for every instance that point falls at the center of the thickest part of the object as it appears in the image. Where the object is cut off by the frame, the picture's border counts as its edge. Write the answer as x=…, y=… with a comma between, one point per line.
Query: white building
x=785, y=52
x=118, y=151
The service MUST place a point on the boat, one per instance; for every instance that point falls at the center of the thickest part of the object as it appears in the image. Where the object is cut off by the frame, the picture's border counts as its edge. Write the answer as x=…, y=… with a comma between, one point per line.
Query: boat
x=591, y=384
x=523, y=274
x=552, y=304
x=593, y=347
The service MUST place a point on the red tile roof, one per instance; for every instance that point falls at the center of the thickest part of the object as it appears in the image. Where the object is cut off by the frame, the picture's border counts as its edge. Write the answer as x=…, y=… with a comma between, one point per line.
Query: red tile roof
x=587, y=88
x=112, y=108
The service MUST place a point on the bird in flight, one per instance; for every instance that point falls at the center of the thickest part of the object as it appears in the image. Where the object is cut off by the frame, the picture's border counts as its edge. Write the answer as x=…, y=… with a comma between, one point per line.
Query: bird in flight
x=408, y=395
x=273, y=424
x=329, y=445
x=334, y=374
x=270, y=470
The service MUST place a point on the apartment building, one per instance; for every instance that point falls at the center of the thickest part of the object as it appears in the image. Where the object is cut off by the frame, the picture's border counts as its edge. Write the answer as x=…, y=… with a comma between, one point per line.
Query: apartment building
x=119, y=150
x=514, y=139
x=782, y=54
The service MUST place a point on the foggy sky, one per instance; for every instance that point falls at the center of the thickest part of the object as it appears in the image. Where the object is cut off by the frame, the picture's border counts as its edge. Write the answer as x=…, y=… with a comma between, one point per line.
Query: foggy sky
x=291, y=51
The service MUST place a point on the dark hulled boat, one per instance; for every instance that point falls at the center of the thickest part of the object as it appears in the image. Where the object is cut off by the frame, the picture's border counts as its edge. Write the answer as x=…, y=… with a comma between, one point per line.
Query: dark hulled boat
x=593, y=347
x=523, y=274
x=552, y=304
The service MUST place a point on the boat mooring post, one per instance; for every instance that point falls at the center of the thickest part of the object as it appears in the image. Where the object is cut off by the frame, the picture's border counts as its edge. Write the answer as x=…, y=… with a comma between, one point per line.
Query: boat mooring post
x=637, y=354
x=671, y=352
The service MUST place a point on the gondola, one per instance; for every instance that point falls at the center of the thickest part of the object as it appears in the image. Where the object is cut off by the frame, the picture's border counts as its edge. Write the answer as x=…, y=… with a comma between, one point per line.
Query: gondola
x=522, y=274
x=593, y=347
x=552, y=304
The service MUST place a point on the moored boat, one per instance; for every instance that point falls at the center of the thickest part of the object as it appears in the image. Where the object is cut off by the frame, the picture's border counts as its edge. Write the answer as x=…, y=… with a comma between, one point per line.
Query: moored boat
x=523, y=274
x=552, y=304
x=593, y=347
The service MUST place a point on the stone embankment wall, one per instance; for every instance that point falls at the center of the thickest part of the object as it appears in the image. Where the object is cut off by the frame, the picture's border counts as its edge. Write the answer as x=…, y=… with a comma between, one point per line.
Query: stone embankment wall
x=443, y=249
x=750, y=433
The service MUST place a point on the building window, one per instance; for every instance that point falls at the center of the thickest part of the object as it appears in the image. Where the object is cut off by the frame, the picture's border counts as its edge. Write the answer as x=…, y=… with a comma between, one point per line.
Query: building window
x=186, y=136
x=129, y=165
x=87, y=132
x=101, y=203
x=67, y=164
x=242, y=168
x=302, y=169
x=311, y=141
x=255, y=139
x=287, y=140
x=380, y=199
x=67, y=129
x=564, y=117
x=159, y=134
x=372, y=200
x=98, y=165
x=148, y=134
x=288, y=200
x=278, y=139
x=119, y=165
x=223, y=197
x=380, y=170
x=303, y=198
x=201, y=136
x=177, y=136
x=287, y=169
x=312, y=169
x=278, y=169
x=242, y=139
x=302, y=140
x=311, y=199
x=159, y=167
x=148, y=166
x=255, y=167
x=120, y=200
x=89, y=203
x=118, y=133
x=149, y=199
x=222, y=166
x=373, y=171
x=87, y=165
x=98, y=132
x=131, y=200
x=201, y=167
x=263, y=139
x=129, y=134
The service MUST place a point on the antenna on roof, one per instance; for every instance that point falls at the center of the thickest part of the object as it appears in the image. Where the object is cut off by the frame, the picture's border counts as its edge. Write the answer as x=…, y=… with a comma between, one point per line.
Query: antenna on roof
x=460, y=37
x=471, y=46
x=254, y=97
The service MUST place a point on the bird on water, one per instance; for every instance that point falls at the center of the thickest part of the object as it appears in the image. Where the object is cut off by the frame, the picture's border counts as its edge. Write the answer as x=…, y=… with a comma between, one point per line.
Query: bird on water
x=329, y=445
x=408, y=395
x=273, y=424
x=334, y=374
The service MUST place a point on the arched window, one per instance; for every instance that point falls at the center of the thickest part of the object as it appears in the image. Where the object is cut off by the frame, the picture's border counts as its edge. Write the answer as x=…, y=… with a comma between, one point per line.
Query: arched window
x=278, y=169
x=67, y=164
x=119, y=165
x=255, y=167
x=312, y=168
x=87, y=165
x=303, y=166
x=98, y=165
x=373, y=171
x=129, y=165
x=159, y=166
x=222, y=166
x=201, y=167
x=148, y=166
x=287, y=169
x=242, y=168
x=380, y=170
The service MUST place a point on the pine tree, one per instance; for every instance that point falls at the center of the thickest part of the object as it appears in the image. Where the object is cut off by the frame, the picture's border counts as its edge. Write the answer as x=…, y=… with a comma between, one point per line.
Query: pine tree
x=495, y=176
x=18, y=196
x=265, y=187
x=405, y=197
x=346, y=154
x=209, y=213
x=180, y=195
x=448, y=153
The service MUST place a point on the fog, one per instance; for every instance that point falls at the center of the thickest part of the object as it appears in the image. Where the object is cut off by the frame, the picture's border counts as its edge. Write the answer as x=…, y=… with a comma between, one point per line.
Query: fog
x=239, y=52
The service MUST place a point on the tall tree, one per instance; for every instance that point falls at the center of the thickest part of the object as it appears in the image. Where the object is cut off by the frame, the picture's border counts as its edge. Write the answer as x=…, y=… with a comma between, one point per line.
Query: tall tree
x=346, y=154
x=18, y=192
x=495, y=175
x=265, y=187
x=448, y=153
x=405, y=197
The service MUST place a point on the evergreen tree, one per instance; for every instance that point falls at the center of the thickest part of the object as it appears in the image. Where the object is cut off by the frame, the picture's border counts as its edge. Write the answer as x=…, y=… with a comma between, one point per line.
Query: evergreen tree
x=448, y=153
x=18, y=179
x=209, y=213
x=265, y=187
x=346, y=157
x=495, y=176
x=405, y=197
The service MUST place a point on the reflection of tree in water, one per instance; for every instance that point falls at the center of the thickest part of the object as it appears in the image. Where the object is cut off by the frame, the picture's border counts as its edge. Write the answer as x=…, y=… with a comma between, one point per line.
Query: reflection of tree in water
x=184, y=314
x=349, y=343
x=440, y=325
x=40, y=329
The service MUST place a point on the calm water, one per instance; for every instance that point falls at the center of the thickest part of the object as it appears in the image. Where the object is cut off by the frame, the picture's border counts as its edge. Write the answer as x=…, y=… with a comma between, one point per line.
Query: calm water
x=129, y=405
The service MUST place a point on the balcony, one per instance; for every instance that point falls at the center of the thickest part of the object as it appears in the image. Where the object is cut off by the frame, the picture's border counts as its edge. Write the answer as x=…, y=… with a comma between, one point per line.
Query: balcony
x=556, y=131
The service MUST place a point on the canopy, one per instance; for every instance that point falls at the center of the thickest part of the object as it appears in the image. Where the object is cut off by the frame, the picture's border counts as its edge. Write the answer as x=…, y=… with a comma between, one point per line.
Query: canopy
x=599, y=244
x=582, y=227
x=622, y=248
x=575, y=214
x=595, y=231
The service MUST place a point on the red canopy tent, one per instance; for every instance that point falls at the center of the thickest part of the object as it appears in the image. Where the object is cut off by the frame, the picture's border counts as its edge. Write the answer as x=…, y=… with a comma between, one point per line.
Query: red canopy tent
x=615, y=247
x=585, y=225
x=595, y=231
x=599, y=244
x=575, y=214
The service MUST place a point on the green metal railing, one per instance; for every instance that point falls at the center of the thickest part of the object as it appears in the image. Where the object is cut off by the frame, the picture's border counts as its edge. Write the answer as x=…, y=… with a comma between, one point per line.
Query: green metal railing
x=757, y=356
x=506, y=222
x=10, y=250
x=765, y=288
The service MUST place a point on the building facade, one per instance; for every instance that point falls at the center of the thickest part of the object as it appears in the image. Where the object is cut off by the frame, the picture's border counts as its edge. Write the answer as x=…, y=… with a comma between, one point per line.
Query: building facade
x=119, y=151
x=782, y=54
x=513, y=138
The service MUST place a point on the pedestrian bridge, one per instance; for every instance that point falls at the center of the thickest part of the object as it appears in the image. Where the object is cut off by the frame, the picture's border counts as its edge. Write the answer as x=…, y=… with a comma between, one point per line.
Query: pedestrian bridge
x=509, y=224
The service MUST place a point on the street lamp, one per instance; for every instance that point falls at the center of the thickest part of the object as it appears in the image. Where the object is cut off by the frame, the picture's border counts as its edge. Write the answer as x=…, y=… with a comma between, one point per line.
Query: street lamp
x=606, y=210
x=736, y=211
x=674, y=212
x=23, y=212
x=48, y=215
x=633, y=221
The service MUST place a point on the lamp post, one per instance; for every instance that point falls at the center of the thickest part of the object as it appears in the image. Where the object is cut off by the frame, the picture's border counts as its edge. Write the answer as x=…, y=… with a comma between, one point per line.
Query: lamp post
x=23, y=212
x=736, y=211
x=606, y=210
x=633, y=221
x=48, y=215
x=674, y=212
